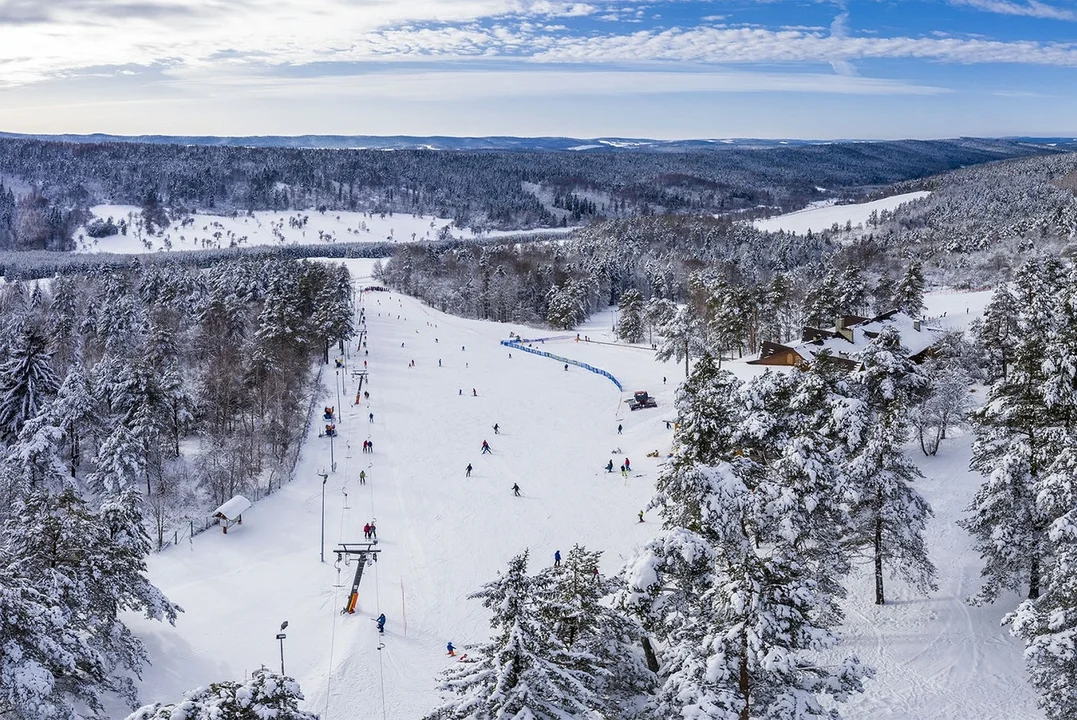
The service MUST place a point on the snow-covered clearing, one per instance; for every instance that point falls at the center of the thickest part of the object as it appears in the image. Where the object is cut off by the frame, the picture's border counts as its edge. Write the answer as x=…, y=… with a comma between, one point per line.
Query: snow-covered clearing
x=202, y=231
x=442, y=535
x=822, y=218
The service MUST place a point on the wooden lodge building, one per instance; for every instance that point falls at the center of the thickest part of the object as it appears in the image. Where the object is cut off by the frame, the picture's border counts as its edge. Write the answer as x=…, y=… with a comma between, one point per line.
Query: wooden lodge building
x=850, y=335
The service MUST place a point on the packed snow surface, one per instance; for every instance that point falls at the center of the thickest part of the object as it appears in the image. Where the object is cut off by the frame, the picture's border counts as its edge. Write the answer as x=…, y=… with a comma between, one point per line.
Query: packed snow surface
x=822, y=217
x=202, y=231
x=442, y=535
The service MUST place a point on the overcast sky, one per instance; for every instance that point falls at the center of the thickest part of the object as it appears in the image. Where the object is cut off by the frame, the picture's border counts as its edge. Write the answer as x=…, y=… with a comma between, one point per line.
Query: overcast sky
x=662, y=69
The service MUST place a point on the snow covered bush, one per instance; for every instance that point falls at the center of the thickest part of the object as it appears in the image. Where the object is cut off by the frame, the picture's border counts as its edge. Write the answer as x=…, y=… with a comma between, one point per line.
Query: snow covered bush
x=266, y=696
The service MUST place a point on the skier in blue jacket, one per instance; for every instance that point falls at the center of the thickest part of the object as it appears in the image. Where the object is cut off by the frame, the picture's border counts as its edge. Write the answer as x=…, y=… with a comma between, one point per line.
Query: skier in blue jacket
x=557, y=558
x=381, y=623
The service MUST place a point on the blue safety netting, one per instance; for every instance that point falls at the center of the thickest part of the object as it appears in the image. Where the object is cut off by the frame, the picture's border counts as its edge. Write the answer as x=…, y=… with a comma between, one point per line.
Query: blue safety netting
x=518, y=343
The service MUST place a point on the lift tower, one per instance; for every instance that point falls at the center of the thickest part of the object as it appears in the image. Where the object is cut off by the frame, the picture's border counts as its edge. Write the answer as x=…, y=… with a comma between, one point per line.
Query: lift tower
x=366, y=553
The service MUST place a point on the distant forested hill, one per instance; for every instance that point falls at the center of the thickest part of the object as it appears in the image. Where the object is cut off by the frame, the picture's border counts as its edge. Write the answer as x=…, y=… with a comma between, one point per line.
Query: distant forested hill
x=46, y=185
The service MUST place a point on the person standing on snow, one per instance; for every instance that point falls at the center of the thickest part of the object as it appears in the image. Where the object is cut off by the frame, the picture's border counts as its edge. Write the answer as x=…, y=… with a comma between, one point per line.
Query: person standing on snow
x=609, y=466
x=557, y=558
x=366, y=531
x=486, y=448
x=450, y=648
x=628, y=465
x=467, y=471
x=474, y=392
x=371, y=417
x=641, y=516
x=516, y=489
x=497, y=429
x=381, y=623
x=624, y=471
x=373, y=531
x=362, y=477
x=619, y=429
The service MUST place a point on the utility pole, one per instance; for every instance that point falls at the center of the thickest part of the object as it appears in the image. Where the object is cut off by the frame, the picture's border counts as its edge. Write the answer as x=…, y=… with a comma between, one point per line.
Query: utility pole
x=281, y=636
x=332, y=456
x=324, y=476
x=338, y=392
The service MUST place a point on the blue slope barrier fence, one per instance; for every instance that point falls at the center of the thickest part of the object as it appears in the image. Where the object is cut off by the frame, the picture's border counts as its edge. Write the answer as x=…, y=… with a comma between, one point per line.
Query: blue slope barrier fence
x=518, y=344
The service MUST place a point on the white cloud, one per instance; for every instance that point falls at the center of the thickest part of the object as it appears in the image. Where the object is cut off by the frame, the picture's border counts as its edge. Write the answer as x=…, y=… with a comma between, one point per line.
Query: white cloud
x=1032, y=8
x=41, y=40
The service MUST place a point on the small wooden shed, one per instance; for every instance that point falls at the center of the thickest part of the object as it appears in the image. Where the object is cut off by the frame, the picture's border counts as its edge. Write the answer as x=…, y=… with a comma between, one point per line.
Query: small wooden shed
x=231, y=513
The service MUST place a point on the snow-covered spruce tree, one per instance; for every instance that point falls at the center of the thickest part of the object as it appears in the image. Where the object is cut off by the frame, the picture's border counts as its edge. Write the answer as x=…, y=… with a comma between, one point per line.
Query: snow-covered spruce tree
x=738, y=586
x=600, y=638
x=525, y=671
x=908, y=296
x=266, y=695
x=887, y=515
x=92, y=566
x=27, y=381
x=630, y=319
x=1018, y=437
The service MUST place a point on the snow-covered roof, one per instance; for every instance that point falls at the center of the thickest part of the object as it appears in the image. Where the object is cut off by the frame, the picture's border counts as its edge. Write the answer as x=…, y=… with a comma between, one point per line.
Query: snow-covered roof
x=233, y=508
x=914, y=337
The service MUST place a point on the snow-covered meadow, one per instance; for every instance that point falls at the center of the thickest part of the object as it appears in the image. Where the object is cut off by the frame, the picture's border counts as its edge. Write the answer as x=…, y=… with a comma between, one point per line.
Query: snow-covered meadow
x=822, y=216
x=203, y=231
x=442, y=535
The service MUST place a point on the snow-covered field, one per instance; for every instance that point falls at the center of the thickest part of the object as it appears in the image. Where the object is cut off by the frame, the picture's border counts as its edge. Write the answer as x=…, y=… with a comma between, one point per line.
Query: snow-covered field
x=442, y=535
x=823, y=217
x=202, y=231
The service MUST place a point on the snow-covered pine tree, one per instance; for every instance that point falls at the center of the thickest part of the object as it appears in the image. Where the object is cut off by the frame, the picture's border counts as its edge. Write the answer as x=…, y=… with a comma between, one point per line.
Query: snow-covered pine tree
x=27, y=381
x=525, y=671
x=851, y=291
x=739, y=587
x=1048, y=624
x=821, y=304
x=682, y=337
x=909, y=294
x=600, y=637
x=1018, y=437
x=882, y=297
x=77, y=412
x=49, y=667
x=93, y=566
x=996, y=333
x=266, y=695
x=630, y=318
x=887, y=515
x=564, y=307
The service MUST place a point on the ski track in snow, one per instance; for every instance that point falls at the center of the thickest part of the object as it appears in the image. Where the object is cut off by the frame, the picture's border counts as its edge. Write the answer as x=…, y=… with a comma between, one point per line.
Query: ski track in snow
x=443, y=535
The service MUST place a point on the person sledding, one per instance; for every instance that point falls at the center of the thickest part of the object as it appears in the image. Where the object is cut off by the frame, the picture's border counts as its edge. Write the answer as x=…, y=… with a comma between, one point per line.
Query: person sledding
x=486, y=448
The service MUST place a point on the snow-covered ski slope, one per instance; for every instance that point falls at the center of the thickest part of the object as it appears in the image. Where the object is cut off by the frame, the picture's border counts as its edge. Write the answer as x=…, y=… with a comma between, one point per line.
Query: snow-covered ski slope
x=822, y=217
x=442, y=535
x=204, y=231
